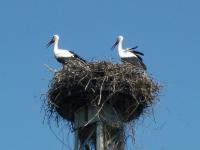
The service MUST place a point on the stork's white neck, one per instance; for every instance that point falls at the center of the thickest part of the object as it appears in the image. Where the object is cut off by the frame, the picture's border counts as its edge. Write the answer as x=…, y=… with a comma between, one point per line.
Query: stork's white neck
x=119, y=46
x=56, y=45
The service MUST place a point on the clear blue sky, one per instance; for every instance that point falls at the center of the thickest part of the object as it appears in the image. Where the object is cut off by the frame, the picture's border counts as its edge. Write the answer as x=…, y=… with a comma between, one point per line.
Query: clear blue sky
x=168, y=32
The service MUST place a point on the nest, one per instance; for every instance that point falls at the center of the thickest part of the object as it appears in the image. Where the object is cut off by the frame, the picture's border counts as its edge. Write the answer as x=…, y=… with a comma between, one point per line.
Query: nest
x=127, y=88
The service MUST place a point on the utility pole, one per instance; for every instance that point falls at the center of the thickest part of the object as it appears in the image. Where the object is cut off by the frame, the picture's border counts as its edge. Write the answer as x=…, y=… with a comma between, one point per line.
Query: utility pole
x=90, y=129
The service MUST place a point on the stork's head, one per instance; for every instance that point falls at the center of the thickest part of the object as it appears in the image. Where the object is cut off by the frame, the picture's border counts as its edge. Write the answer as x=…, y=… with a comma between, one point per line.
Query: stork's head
x=53, y=40
x=119, y=39
x=56, y=37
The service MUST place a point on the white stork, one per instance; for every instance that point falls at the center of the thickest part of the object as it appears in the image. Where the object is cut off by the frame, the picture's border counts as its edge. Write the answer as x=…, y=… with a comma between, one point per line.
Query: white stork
x=63, y=55
x=129, y=55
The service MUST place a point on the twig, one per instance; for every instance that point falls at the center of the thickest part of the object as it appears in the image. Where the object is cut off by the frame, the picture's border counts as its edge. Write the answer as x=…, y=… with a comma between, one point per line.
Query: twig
x=101, y=91
x=50, y=68
x=57, y=136
x=87, y=84
x=99, y=110
x=53, y=104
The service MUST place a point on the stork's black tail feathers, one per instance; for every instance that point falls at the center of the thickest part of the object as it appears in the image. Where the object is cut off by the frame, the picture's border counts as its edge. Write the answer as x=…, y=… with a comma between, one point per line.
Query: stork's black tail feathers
x=78, y=57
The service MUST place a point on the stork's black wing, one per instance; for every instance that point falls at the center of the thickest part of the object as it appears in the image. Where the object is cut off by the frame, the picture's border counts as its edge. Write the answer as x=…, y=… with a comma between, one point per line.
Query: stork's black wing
x=134, y=51
x=133, y=48
x=139, y=57
x=135, y=61
x=141, y=62
x=77, y=56
x=137, y=52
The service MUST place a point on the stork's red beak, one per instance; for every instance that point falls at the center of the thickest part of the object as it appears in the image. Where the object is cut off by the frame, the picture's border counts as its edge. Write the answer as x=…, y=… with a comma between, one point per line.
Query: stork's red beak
x=50, y=42
x=116, y=43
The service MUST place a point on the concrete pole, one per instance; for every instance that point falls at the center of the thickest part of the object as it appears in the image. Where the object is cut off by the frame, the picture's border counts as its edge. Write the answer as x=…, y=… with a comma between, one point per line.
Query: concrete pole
x=76, y=143
x=99, y=136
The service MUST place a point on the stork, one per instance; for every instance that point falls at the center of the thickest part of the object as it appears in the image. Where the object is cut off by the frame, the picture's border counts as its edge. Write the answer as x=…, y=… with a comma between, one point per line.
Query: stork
x=63, y=55
x=129, y=55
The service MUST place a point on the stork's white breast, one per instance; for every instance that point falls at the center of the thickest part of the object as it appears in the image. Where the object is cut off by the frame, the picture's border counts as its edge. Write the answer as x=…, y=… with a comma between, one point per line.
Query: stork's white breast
x=125, y=53
x=63, y=53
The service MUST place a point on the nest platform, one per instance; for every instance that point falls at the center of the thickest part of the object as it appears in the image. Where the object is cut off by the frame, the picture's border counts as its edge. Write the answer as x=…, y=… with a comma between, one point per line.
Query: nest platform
x=126, y=88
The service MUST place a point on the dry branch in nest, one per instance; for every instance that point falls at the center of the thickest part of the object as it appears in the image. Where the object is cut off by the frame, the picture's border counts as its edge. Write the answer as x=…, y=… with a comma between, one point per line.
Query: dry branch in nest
x=125, y=87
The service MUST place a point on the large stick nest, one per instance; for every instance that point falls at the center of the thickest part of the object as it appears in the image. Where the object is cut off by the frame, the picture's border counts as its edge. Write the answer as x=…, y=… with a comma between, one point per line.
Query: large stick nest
x=126, y=87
